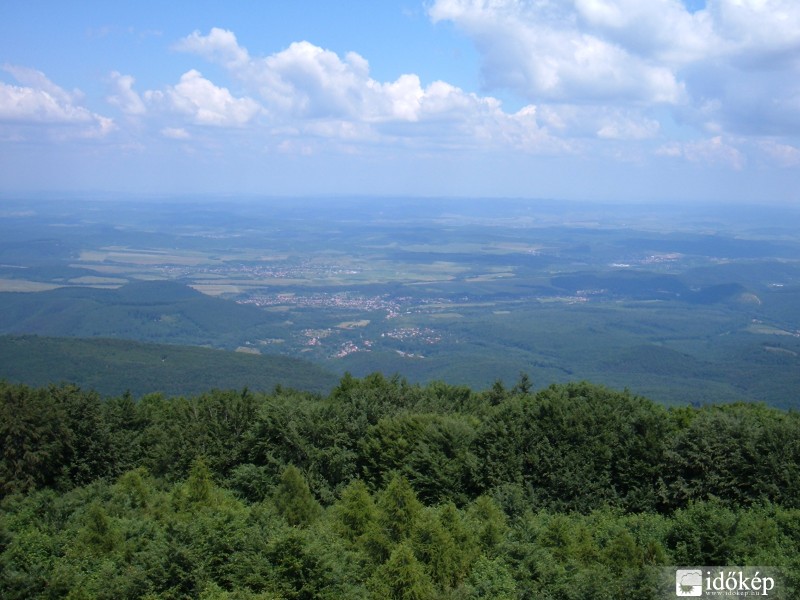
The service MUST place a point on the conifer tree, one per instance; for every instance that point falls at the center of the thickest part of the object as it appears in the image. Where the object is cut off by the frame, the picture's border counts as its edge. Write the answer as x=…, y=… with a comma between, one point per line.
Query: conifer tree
x=355, y=510
x=34, y=439
x=398, y=508
x=294, y=500
x=402, y=577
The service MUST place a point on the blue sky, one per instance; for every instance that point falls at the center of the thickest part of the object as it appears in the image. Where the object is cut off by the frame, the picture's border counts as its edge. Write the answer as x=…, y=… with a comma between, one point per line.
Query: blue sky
x=614, y=100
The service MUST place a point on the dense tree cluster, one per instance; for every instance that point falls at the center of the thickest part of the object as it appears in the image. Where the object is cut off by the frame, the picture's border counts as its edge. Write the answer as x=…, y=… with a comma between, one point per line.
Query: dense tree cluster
x=385, y=489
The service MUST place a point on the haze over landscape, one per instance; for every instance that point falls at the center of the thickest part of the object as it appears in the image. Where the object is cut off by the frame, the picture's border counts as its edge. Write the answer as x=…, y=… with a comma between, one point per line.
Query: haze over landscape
x=414, y=299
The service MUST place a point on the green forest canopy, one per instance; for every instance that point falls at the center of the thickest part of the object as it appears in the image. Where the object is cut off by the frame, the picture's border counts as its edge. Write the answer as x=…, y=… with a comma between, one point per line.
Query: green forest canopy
x=384, y=489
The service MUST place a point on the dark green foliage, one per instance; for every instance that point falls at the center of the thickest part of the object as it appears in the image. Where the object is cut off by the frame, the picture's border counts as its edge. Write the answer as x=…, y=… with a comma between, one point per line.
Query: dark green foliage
x=524, y=385
x=89, y=443
x=575, y=447
x=742, y=453
x=431, y=451
x=55, y=437
x=152, y=311
x=497, y=393
x=34, y=433
x=295, y=429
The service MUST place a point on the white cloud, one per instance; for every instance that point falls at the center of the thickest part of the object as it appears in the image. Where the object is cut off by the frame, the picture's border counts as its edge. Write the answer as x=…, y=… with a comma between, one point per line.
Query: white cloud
x=37, y=80
x=602, y=122
x=219, y=46
x=594, y=73
x=741, y=57
x=538, y=50
x=754, y=29
x=124, y=96
x=205, y=103
x=318, y=93
x=41, y=102
x=713, y=151
x=175, y=133
x=784, y=155
x=660, y=30
x=309, y=81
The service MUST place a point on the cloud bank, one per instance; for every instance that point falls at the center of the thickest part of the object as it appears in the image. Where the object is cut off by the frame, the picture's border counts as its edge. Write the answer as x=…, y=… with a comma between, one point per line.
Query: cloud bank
x=592, y=72
x=623, y=79
x=732, y=66
x=306, y=90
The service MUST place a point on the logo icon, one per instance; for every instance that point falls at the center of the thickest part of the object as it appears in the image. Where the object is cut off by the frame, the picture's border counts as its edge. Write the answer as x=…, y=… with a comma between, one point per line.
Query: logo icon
x=689, y=582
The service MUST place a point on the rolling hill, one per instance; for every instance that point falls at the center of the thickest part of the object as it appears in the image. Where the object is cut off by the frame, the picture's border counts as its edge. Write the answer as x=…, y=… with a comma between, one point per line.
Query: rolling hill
x=112, y=367
x=163, y=312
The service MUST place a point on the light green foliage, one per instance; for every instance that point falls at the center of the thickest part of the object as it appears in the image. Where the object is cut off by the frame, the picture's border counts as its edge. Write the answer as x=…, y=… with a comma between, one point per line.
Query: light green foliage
x=398, y=509
x=487, y=523
x=443, y=546
x=199, y=485
x=294, y=500
x=492, y=580
x=212, y=591
x=402, y=577
x=98, y=535
x=602, y=554
x=355, y=512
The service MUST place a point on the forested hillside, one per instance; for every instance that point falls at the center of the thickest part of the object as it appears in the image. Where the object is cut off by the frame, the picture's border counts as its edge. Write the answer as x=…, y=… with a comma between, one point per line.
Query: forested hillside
x=384, y=489
x=163, y=312
x=113, y=367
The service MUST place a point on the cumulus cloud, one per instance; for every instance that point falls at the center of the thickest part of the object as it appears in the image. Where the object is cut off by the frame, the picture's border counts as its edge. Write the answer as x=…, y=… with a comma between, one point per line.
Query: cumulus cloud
x=39, y=101
x=203, y=102
x=540, y=51
x=591, y=74
x=124, y=96
x=657, y=30
x=754, y=30
x=219, y=46
x=307, y=81
x=741, y=57
x=326, y=95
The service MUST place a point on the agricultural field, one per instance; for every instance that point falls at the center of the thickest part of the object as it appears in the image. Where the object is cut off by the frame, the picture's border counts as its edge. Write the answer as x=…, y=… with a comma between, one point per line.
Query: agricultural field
x=683, y=306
